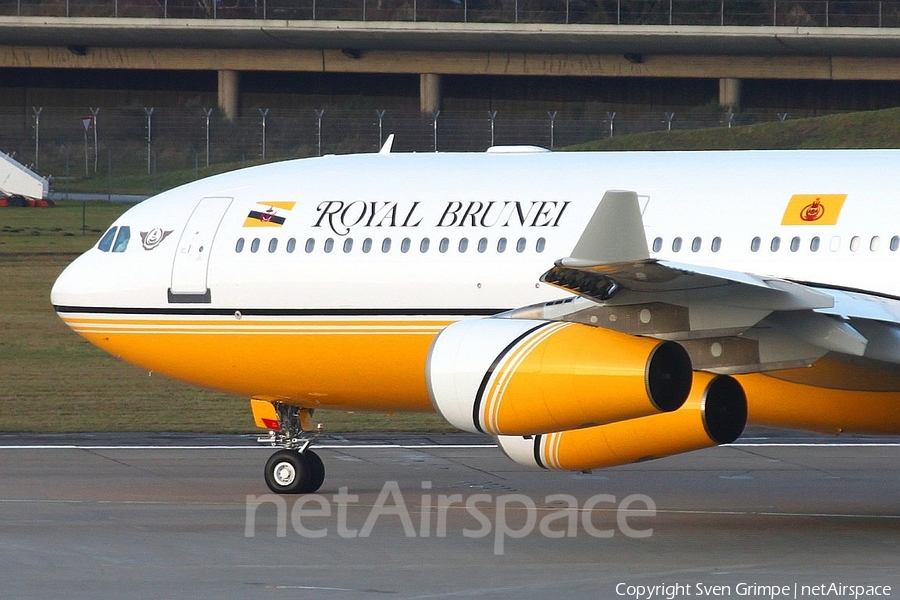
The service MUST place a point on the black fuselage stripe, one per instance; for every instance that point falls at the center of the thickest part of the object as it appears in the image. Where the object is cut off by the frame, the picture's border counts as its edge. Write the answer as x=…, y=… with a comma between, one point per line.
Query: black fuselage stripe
x=479, y=396
x=839, y=288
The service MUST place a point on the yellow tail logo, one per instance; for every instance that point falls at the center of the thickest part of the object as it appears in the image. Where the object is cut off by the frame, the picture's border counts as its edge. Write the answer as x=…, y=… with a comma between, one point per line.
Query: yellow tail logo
x=813, y=209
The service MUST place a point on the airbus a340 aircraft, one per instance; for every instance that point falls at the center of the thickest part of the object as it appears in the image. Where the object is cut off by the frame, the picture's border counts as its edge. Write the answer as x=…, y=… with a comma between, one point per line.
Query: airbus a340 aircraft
x=587, y=309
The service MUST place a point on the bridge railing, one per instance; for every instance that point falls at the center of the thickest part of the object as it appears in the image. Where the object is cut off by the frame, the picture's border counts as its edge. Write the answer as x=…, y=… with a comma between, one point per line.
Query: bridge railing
x=794, y=13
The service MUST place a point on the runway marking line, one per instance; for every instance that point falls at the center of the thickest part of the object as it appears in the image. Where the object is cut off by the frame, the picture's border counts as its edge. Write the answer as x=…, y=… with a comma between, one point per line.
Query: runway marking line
x=260, y=447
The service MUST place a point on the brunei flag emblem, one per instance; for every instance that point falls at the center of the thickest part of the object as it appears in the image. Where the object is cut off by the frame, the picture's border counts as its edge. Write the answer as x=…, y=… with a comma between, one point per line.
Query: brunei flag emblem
x=268, y=214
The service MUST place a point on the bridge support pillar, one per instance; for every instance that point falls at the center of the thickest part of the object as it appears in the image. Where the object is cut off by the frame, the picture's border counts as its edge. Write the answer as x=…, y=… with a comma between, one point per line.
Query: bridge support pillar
x=229, y=93
x=429, y=92
x=730, y=92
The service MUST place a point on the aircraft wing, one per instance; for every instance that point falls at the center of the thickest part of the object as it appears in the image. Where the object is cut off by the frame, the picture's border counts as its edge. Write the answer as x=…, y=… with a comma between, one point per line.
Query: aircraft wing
x=729, y=321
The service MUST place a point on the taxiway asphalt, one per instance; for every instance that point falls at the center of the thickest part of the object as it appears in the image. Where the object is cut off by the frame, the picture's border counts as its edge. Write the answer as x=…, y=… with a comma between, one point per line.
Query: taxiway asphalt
x=124, y=516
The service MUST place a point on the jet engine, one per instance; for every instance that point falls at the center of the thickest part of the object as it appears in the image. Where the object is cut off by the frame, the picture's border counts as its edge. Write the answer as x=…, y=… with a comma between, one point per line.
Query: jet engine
x=714, y=413
x=520, y=377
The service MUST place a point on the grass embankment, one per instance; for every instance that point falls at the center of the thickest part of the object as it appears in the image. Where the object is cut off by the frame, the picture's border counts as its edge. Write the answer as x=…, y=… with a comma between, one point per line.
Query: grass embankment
x=53, y=381
x=144, y=185
x=873, y=129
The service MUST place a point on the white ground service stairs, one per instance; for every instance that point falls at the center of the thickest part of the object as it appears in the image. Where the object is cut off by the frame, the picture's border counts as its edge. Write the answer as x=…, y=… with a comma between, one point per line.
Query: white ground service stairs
x=17, y=179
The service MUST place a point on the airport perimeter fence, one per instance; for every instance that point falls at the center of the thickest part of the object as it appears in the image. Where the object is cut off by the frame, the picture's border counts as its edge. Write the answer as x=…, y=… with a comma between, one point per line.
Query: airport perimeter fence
x=72, y=144
x=794, y=13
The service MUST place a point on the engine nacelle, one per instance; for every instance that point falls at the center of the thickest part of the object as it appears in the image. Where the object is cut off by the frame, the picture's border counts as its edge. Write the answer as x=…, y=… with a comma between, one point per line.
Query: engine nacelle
x=715, y=413
x=520, y=377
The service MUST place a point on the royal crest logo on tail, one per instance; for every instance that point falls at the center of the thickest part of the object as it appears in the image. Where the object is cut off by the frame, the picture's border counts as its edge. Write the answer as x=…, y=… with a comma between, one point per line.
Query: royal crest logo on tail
x=268, y=214
x=813, y=209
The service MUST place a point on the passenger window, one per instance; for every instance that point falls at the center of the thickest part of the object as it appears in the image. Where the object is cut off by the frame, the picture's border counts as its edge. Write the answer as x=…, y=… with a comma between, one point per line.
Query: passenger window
x=254, y=245
x=291, y=245
x=835, y=244
x=716, y=244
x=367, y=245
x=775, y=244
x=404, y=245
x=501, y=245
x=239, y=245
x=895, y=243
x=463, y=244
x=386, y=245
x=875, y=244
x=854, y=243
x=482, y=244
x=676, y=245
x=329, y=245
x=814, y=244
x=754, y=244
x=310, y=245
x=540, y=245
x=520, y=245
x=106, y=241
x=657, y=244
x=795, y=244
x=273, y=245
x=424, y=244
x=444, y=245
x=348, y=245
x=696, y=244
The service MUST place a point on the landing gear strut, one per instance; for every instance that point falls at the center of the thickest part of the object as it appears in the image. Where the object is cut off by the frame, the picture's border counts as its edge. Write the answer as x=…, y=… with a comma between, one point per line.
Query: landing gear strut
x=295, y=469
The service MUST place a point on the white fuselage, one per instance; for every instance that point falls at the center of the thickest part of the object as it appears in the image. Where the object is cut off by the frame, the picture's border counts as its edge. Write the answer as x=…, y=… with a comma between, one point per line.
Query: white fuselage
x=341, y=202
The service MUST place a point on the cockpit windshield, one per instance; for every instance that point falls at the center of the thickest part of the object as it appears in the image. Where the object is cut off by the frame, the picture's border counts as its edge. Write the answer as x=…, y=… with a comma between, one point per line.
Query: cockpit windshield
x=116, y=239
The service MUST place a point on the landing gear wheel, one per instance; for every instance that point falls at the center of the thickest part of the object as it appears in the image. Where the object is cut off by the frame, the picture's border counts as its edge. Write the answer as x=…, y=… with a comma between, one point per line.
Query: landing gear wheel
x=290, y=472
x=287, y=472
x=317, y=470
x=296, y=469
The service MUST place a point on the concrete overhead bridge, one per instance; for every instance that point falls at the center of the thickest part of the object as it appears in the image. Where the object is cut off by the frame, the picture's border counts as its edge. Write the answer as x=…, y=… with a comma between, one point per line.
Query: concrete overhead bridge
x=812, y=40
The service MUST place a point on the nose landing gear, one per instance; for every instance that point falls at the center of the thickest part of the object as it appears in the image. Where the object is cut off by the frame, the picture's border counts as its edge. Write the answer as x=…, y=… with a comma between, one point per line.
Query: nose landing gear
x=294, y=472
x=295, y=469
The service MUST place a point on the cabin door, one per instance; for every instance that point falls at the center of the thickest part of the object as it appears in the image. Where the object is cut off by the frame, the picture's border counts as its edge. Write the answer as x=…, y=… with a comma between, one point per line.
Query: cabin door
x=190, y=268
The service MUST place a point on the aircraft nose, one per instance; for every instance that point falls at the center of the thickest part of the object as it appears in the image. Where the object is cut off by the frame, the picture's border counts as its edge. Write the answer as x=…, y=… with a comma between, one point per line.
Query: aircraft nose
x=115, y=278
x=69, y=284
x=88, y=281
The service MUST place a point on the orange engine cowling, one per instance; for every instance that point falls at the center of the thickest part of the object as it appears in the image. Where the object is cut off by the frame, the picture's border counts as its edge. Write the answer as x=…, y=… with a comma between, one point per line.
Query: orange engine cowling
x=520, y=377
x=715, y=413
